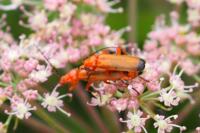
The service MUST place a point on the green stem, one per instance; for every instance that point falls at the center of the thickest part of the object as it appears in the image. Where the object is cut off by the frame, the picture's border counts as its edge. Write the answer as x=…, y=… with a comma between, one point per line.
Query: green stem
x=16, y=124
x=92, y=112
x=145, y=93
x=161, y=106
x=150, y=99
x=197, y=78
x=51, y=121
x=130, y=131
x=132, y=12
x=8, y=120
x=147, y=110
x=118, y=94
x=150, y=95
x=153, y=93
x=32, y=2
x=3, y=84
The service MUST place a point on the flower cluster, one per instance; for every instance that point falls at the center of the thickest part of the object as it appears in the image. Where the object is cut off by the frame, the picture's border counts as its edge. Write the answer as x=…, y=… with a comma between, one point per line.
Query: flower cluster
x=54, y=42
x=65, y=31
x=170, y=51
x=193, y=10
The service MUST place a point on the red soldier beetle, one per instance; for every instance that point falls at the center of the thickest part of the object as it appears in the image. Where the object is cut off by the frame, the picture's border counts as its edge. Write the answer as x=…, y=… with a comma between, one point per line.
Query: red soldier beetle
x=77, y=74
x=112, y=62
x=105, y=67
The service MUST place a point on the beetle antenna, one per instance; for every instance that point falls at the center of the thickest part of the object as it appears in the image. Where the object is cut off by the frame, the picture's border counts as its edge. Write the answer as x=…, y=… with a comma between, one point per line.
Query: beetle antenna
x=49, y=63
x=93, y=53
x=123, y=51
x=101, y=50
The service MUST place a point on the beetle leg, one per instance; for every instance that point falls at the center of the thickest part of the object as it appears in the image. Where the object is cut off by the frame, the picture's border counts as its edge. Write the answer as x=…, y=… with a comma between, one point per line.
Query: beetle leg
x=132, y=74
x=88, y=85
x=125, y=82
x=105, y=52
x=73, y=86
x=132, y=88
x=89, y=75
x=145, y=80
x=125, y=76
x=118, y=51
x=89, y=71
x=124, y=52
x=108, y=82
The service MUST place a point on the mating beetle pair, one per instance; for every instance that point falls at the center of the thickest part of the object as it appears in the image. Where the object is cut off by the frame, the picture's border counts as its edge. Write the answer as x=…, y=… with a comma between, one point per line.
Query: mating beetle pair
x=105, y=67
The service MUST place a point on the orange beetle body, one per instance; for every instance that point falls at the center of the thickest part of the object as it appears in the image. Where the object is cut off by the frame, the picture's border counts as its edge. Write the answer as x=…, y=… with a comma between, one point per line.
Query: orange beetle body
x=105, y=67
x=115, y=62
x=75, y=75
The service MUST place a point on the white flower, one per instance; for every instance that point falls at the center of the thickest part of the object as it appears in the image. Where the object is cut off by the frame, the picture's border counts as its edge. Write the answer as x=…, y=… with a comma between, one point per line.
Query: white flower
x=20, y=108
x=165, y=124
x=114, y=38
x=135, y=121
x=165, y=65
x=193, y=15
x=99, y=99
x=67, y=10
x=13, y=54
x=169, y=98
x=38, y=20
x=178, y=84
x=40, y=75
x=193, y=3
x=198, y=129
x=53, y=101
x=119, y=104
x=88, y=19
x=106, y=6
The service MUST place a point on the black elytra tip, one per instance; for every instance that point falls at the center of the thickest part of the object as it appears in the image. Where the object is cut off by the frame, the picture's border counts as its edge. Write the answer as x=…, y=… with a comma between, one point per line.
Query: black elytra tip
x=141, y=65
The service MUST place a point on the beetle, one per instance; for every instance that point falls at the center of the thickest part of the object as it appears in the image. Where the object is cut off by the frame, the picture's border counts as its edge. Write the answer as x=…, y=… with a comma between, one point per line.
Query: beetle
x=77, y=74
x=105, y=67
x=115, y=62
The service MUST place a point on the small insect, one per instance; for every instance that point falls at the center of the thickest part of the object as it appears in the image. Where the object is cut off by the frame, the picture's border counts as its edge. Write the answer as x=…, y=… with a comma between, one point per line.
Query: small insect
x=115, y=62
x=105, y=67
x=77, y=74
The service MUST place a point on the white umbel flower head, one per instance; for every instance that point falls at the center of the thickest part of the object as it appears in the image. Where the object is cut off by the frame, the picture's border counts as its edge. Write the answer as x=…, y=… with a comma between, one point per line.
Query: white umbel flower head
x=135, y=121
x=21, y=108
x=169, y=98
x=178, y=85
x=165, y=124
x=41, y=74
x=53, y=101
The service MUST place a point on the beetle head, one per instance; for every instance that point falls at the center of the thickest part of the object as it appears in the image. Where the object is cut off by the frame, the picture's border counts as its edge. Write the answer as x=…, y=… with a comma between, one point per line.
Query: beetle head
x=141, y=66
x=70, y=77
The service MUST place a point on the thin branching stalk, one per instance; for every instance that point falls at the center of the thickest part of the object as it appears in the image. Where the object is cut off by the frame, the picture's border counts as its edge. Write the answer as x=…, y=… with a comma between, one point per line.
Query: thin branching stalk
x=132, y=8
x=91, y=110
x=50, y=121
x=38, y=125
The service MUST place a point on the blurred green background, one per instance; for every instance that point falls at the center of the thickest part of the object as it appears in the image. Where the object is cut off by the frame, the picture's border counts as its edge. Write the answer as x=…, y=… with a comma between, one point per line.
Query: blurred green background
x=140, y=15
